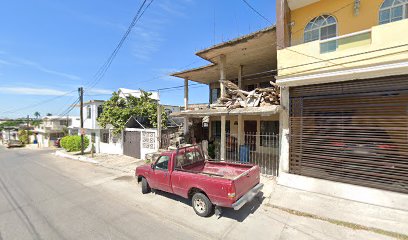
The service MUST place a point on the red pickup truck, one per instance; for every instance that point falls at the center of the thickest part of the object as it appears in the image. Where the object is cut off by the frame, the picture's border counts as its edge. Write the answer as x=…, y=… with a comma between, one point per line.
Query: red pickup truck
x=209, y=184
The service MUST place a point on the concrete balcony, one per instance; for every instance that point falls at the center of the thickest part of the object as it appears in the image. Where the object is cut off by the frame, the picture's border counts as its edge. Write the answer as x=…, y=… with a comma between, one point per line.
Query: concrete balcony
x=380, y=45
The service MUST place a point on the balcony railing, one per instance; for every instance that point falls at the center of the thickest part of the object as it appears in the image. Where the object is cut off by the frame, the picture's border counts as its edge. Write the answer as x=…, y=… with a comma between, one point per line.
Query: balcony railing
x=348, y=41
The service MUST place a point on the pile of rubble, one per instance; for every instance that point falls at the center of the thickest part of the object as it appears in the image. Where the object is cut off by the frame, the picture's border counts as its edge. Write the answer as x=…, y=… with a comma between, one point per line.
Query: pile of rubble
x=237, y=98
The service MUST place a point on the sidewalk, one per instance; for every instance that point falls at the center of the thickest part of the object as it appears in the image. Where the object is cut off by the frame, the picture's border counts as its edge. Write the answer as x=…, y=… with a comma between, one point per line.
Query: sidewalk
x=315, y=207
x=339, y=210
x=122, y=163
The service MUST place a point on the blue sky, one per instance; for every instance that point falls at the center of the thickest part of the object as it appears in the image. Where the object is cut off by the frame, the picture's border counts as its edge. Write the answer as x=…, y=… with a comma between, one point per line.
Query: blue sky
x=50, y=47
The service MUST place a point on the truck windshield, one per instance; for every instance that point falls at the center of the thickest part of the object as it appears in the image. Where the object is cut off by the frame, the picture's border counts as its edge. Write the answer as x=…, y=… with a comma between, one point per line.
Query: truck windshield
x=188, y=156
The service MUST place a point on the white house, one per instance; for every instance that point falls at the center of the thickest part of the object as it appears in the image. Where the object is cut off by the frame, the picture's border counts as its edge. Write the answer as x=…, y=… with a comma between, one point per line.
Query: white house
x=124, y=92
x=9, y=133
x=52, y=128
x=103, y=139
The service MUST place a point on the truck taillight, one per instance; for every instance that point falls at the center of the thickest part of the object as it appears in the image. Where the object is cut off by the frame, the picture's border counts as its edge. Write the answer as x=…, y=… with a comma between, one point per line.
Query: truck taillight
x=231, y=191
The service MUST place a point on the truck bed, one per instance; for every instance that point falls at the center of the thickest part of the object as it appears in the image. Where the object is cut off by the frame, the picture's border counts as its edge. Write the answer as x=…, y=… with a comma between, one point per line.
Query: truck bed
x=220, y=169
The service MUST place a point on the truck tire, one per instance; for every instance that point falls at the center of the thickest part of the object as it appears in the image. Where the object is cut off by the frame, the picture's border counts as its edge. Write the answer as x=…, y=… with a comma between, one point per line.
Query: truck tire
x=202, y=205
x=145, y=186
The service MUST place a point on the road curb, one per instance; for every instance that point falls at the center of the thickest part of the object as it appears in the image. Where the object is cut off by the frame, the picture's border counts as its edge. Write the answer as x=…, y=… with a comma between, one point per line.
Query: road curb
x=75, y=157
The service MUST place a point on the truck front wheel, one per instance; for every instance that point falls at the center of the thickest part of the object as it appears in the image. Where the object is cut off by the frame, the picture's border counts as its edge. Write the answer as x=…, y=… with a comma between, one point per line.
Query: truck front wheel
x=145, y=186
x=202, y=205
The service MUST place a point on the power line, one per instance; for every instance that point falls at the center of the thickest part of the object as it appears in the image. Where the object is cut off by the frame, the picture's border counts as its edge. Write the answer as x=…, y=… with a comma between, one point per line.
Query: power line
x=70, y=108
x=257, y=12
x=37, y=104
x=104, y=68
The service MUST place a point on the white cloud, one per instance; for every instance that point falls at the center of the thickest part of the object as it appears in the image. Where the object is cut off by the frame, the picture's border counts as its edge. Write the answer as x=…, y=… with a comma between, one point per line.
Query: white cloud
x=4, y=62
x=31, y=91
x=146, y=38
x=145, y=42
x=100, y=91
x=47, y=70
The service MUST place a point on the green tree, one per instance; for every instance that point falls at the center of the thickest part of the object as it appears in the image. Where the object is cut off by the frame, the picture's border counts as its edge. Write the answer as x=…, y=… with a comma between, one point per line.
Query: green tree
x=36, y=123
x=49, y=114
x=37, y=115
x=117, y=110
x=11, y=123
x=24, y=136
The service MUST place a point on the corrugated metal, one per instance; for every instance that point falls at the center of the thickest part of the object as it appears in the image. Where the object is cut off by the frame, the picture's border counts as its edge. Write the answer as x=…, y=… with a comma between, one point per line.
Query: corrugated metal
x=354, y=132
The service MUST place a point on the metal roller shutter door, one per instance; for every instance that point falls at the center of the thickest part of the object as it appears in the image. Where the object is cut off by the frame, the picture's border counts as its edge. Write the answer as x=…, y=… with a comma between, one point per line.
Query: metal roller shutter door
x=354, y=132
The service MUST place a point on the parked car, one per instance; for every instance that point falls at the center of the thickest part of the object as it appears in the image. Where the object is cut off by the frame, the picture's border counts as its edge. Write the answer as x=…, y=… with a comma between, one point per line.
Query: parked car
x=13, y=143
x=208, y=184
x=57, y=143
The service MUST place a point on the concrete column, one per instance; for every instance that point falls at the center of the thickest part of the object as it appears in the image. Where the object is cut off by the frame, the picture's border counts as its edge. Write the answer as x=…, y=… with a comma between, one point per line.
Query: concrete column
x=240, y=131
x=223, y=138
x=240, y=76
x=185, y=125
x=284, y=131
x=223, y=73
x=185, y=93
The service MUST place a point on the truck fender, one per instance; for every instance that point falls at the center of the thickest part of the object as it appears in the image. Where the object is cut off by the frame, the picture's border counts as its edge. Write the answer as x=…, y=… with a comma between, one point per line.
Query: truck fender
x=139, y=178
x=194, y=190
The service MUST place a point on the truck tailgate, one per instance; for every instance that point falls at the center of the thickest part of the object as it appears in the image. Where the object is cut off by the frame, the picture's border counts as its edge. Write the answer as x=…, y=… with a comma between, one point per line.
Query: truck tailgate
x=246, y=181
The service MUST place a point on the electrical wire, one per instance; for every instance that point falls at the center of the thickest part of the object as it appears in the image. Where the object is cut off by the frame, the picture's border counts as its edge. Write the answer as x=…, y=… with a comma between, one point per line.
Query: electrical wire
x=70, y=108
x=257, y=12
x=104, y=68
x=37, y=104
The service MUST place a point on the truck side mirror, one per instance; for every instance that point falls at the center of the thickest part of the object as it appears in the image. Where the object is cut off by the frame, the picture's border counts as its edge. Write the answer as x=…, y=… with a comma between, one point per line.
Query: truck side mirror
x=152, y=166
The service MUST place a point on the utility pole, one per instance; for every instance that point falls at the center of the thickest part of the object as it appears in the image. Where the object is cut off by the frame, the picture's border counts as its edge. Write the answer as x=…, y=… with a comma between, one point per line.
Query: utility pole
x=81, y=99
x=28, y=120
x=159, y=121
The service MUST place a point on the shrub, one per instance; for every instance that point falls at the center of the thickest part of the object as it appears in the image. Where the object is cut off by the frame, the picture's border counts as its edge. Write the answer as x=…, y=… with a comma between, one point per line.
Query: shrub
x=73, y=143
x=24, y=136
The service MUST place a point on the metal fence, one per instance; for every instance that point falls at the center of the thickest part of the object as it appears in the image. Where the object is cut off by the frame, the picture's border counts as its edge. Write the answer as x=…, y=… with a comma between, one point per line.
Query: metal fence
x=261, y=149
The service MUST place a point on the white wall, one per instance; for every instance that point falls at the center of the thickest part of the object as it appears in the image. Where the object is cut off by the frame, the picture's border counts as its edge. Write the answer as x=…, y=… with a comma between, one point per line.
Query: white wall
x=111, y=148
x=12, y=135
x=43, y=140
x=146, y=134
x=91, y=123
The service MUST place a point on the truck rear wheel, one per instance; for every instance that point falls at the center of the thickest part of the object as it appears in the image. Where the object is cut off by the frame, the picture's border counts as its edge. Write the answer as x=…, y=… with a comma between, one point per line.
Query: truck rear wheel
x=145, y=186
x=202, y=205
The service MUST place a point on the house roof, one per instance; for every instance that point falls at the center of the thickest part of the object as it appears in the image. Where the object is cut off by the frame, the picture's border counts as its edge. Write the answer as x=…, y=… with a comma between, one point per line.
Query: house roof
x=256, y=52
x=94, y=101
x=124, y=92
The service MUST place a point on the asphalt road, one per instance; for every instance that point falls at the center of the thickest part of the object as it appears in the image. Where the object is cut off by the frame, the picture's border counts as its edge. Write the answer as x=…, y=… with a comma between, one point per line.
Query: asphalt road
x=39, y=200
x=47, y=197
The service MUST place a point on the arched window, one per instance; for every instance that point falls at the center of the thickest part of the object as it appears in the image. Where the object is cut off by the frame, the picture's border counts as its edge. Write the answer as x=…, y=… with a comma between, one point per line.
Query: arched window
x=322, y=27
x=393, y=10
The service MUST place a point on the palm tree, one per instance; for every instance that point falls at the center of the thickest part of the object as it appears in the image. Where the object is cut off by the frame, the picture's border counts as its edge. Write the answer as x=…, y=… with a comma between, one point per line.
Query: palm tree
x=37, y=115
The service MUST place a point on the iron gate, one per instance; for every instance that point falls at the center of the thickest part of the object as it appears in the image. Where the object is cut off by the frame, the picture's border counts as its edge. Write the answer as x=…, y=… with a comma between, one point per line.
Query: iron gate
x=131, y=144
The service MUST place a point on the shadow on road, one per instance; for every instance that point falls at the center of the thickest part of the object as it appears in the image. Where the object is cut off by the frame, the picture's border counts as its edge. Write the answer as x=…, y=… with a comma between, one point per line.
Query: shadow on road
x=239, y=216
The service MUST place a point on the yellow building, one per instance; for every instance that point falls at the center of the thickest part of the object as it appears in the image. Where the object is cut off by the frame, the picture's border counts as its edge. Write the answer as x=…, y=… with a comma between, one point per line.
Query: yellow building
x=343, y=71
